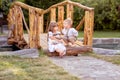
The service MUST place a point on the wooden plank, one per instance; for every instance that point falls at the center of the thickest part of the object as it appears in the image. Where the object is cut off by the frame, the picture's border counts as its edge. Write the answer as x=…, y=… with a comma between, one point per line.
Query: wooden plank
x=60, y=17
x=43, y=40
x=70, y=11
x=53, y=14
x=80, y=24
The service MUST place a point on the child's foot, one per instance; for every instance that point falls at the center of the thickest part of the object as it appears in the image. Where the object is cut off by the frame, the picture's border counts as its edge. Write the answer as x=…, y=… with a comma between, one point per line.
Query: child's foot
x=62, y=54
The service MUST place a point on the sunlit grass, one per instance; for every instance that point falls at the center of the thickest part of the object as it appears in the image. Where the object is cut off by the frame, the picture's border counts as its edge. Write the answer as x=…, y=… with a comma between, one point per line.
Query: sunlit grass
x=14, y=68
x=103, y=34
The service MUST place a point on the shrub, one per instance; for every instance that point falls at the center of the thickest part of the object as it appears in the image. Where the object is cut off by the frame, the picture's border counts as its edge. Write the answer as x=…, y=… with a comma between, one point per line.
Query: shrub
x=106, y=13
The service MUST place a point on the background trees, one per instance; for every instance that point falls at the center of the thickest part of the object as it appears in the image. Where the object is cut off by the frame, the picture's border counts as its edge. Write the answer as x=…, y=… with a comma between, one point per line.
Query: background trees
x=107, y=12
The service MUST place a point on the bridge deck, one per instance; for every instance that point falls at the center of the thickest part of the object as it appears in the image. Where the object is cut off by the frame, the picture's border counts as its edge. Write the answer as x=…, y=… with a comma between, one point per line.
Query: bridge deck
x=43, y=40
x=70, y=50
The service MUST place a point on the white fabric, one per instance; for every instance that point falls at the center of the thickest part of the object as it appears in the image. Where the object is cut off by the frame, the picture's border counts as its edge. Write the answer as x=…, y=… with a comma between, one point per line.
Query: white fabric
x=52, y=47
x=70, y=32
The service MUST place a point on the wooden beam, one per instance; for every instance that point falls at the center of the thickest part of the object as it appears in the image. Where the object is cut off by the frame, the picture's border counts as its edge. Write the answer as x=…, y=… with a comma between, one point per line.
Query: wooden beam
x=80, y=5
x=80, y=24
x=69, y=2
x=60, y=17
x=16, y=22
x=26, y=26
x=20, y=25
x=38, y=26
x=86, y=27
x=70, y=11
x=36, y=31
x=53, y=14
x=32, y=29
x=41, y=23
x=55, y=5
x=25, y=6
x=88, y=30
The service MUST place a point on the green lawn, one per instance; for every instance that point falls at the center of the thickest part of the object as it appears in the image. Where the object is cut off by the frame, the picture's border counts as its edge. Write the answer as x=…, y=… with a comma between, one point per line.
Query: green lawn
x=13, y=68
x=103, y=34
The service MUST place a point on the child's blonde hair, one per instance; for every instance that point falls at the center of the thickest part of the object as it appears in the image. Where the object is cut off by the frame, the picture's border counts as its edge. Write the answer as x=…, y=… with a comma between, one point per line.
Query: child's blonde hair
x=68, y=21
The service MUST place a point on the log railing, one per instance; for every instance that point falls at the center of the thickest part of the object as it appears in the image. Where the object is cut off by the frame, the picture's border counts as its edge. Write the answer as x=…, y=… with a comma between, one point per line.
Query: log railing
x=36, y=22
x=16, y=20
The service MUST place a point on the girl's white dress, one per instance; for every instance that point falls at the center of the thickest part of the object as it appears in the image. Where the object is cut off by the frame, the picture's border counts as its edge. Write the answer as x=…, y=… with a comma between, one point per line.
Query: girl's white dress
x=54, y=45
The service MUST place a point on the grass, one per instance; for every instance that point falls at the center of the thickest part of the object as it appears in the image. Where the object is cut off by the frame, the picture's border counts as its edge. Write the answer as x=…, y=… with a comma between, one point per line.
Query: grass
x=103, y=34
x=14, y=68
x=115, y=59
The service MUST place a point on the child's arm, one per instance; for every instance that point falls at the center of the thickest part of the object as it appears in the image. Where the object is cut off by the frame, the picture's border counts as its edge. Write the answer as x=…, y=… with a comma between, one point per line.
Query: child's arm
x=75, y=32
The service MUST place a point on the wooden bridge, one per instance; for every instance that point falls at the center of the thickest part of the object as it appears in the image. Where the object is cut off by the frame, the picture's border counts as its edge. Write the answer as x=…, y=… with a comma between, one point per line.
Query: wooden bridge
x=35, y=36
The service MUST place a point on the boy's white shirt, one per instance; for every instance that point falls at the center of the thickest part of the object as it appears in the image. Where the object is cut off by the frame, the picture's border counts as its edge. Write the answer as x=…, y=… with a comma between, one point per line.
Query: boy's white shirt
x=70, y=32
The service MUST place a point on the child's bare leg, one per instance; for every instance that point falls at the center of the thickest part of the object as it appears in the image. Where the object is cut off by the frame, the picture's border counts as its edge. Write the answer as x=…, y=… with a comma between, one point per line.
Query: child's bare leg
x=72, y=41
x=62, y=54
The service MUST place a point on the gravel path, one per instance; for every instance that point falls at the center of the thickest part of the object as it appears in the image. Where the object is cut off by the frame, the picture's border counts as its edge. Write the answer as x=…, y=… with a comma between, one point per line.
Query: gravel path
x=88, y=68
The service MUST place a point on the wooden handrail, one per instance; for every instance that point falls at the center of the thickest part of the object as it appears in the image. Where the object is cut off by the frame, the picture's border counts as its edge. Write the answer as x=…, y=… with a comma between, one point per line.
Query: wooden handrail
x=68, y=2
x=80, y=5
x=56, y=5
x=25, y=6
x=26, y=26
x=81, y=23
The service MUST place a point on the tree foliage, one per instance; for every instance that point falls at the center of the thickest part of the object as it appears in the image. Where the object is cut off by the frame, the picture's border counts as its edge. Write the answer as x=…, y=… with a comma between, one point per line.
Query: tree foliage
x=42, y=3
x=107, y=16
x=107, y=12
x=4, y=6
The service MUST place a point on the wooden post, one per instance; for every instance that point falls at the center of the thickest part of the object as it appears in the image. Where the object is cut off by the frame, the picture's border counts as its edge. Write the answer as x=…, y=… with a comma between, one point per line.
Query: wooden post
x=20, y=24
x=53, y=14
x=16, y=21
x=88, y=29
x=41, y=23
x=70, y=11
x=36, y=31
x=60, y=17
x=91, y=25
x=31, y=24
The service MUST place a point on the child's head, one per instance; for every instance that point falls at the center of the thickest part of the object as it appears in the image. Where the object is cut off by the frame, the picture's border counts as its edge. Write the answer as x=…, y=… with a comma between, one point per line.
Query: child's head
x=53, y=26
x=67, y=23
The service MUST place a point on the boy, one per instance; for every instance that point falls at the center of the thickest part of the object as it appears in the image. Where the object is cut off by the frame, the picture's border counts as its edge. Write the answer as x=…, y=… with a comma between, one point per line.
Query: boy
x=70, y=34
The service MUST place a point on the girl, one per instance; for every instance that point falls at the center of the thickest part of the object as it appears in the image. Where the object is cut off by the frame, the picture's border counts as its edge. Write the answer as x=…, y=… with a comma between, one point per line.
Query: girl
x=54, y=41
